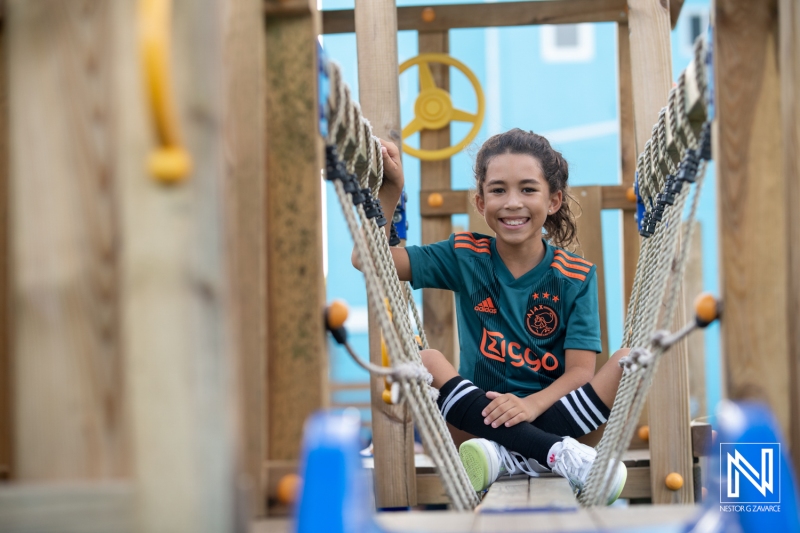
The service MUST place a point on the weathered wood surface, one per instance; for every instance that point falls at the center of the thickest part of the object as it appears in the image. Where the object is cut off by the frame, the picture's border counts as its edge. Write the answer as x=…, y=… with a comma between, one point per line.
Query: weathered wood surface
x=438, y=306
x=67, y=368
x=749, y=165
x=693, y=286
x=379, y=95
x=522, y=493
x=790, y=111
x=6, y=392
x=297, y=367
x=487, y=15
x=244, y=43
x=590, y=247
x=102, y=507
x=176, y=287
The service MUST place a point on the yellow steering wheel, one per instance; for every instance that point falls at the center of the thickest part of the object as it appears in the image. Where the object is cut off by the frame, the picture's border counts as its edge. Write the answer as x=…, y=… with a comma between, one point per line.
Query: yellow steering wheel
x=434, y=109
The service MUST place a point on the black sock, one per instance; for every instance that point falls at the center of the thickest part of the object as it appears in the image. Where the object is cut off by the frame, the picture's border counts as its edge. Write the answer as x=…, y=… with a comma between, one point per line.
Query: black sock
x=576, y=414
x=462, y=403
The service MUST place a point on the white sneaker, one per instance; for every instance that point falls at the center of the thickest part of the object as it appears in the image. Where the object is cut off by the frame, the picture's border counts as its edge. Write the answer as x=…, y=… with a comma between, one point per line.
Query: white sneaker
x=485, y=461
x=573, y=460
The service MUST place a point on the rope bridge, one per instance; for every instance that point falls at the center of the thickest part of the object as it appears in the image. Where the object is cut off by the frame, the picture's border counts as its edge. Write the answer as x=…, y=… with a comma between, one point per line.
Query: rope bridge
x=672, y=161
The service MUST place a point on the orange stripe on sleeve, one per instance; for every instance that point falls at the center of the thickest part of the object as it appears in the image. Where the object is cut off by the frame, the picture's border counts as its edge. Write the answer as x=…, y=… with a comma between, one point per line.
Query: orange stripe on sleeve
x=567, y=273
x=567, y=264
x=473, y=248
x=466, y=237
x=574, y=258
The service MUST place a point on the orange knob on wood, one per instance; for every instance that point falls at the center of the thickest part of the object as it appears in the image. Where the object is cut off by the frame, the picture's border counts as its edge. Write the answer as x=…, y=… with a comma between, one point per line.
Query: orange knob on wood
x=706, y=309
x=435, y=199
x=644, y=433
x=630, y=194
x=674, y=481
x=288, y=487
x=337, y=314
x=428, y=14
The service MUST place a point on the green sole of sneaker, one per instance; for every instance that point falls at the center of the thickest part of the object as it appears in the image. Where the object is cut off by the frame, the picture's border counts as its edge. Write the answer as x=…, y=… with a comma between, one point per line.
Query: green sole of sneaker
x=476, y=464
x=620, y=486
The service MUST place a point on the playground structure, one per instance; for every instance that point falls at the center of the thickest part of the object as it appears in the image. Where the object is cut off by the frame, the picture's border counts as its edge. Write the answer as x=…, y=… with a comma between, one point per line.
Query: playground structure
x=153, y=333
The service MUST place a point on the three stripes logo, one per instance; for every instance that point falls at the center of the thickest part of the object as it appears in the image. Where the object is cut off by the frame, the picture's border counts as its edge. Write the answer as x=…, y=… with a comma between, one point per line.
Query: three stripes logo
x=570, y=265
x=486, y=306
x=468, y=241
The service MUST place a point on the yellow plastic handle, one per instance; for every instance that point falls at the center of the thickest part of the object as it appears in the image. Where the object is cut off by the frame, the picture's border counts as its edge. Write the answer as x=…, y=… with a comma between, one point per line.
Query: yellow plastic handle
x=170, y=162
x=433, y=109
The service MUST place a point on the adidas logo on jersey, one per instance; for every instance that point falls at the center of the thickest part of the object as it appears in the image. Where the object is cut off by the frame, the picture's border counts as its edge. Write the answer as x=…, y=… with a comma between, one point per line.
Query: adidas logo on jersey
x=486, y=306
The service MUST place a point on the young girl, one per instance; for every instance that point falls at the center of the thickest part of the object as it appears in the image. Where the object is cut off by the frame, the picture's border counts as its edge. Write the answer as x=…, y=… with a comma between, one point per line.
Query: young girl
x=528, y=320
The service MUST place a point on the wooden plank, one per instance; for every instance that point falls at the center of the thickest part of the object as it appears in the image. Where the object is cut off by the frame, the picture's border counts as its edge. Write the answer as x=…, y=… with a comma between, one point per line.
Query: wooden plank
x=638, y=483
x=453, y=202
x=430, y=490
x=178, y=333
x=484, y=15
x=102, y=507
x=506, y=494
x=459, y=201
x=675, y=7
x=294, y=235
x=790, y=111
x=535, y=522
x=693, y=283
x=439, y=521
x=749, y=165
x=590, y=237
x=379, y=93
x=628, y=154
x=244, y=142
x=438, y=306
x=6, y=392
x=67, y=376
x=644, y=517
x=651, y=72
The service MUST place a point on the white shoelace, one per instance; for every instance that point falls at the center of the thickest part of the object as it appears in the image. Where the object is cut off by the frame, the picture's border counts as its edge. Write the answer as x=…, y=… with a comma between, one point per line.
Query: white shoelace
x=514, y=462
x=573, y=464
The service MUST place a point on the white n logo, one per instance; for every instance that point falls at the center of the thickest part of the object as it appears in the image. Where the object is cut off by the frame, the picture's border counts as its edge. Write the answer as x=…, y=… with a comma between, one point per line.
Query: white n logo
x=738, y=464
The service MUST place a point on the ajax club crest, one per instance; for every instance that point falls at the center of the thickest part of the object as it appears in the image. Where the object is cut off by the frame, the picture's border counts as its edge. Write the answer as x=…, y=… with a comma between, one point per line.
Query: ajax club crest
x=542, y=321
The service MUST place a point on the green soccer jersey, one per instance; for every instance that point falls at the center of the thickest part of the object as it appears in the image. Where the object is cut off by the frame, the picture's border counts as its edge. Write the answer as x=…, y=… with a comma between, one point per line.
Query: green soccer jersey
x=512, y=332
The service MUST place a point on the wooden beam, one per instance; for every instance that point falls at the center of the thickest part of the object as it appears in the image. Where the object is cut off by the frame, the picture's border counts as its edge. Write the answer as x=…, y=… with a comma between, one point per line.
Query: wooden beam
x=790, y=111
x=179, y=352
x=693, y=285
x=438, y=306
x=749, y=165
x=69, y=408
x=590, y=237
x=459, y=201
x=670, y=438
x=675, y=7
x=297, y=358
x=6, y=390
x=245, y=60
x=447, y=17
x=627, y=141
x=379, y=95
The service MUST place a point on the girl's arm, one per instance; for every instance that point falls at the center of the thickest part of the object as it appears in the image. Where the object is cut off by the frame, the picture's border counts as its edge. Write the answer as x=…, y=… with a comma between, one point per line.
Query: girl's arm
x=389, y=195
x=510, y=410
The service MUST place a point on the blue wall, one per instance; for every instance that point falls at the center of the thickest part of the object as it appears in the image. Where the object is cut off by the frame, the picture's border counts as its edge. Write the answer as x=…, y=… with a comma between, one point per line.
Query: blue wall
x=573, y=103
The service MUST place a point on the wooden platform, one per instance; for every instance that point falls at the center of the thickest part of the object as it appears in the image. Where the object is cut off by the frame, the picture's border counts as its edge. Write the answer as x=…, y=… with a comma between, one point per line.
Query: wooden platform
x=649, y=518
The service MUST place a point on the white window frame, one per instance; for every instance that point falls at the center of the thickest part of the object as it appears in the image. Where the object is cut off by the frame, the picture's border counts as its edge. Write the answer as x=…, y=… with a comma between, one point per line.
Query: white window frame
x=687, y=45
x=583, y=52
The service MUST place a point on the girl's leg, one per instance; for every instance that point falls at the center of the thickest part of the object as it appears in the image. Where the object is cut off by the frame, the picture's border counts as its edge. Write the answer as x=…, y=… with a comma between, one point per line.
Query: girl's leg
x=585, y=409
x=462, y=403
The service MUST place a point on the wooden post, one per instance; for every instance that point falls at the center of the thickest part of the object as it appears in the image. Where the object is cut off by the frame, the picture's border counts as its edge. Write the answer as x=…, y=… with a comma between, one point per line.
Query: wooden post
x=438, y=305
x=670, y=436
x=693, y=285
x=68, y=391
x=244, y=42
x=297, y=347
x=627, y=141
x=175, y=287
x=753, y=218
x=6, y=392
x=790, y=111
x=379, y=95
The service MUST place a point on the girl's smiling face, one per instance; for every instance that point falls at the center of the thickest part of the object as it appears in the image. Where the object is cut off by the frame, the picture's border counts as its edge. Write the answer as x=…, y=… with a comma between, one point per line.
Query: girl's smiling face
x=516, y=198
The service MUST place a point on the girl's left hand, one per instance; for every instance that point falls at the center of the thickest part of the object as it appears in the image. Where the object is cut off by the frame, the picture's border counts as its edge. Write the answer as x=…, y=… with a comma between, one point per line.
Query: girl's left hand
x=508, y=409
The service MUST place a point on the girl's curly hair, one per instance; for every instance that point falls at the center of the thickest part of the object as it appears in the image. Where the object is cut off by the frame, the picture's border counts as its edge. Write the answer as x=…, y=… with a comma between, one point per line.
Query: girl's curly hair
x=560, y=226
